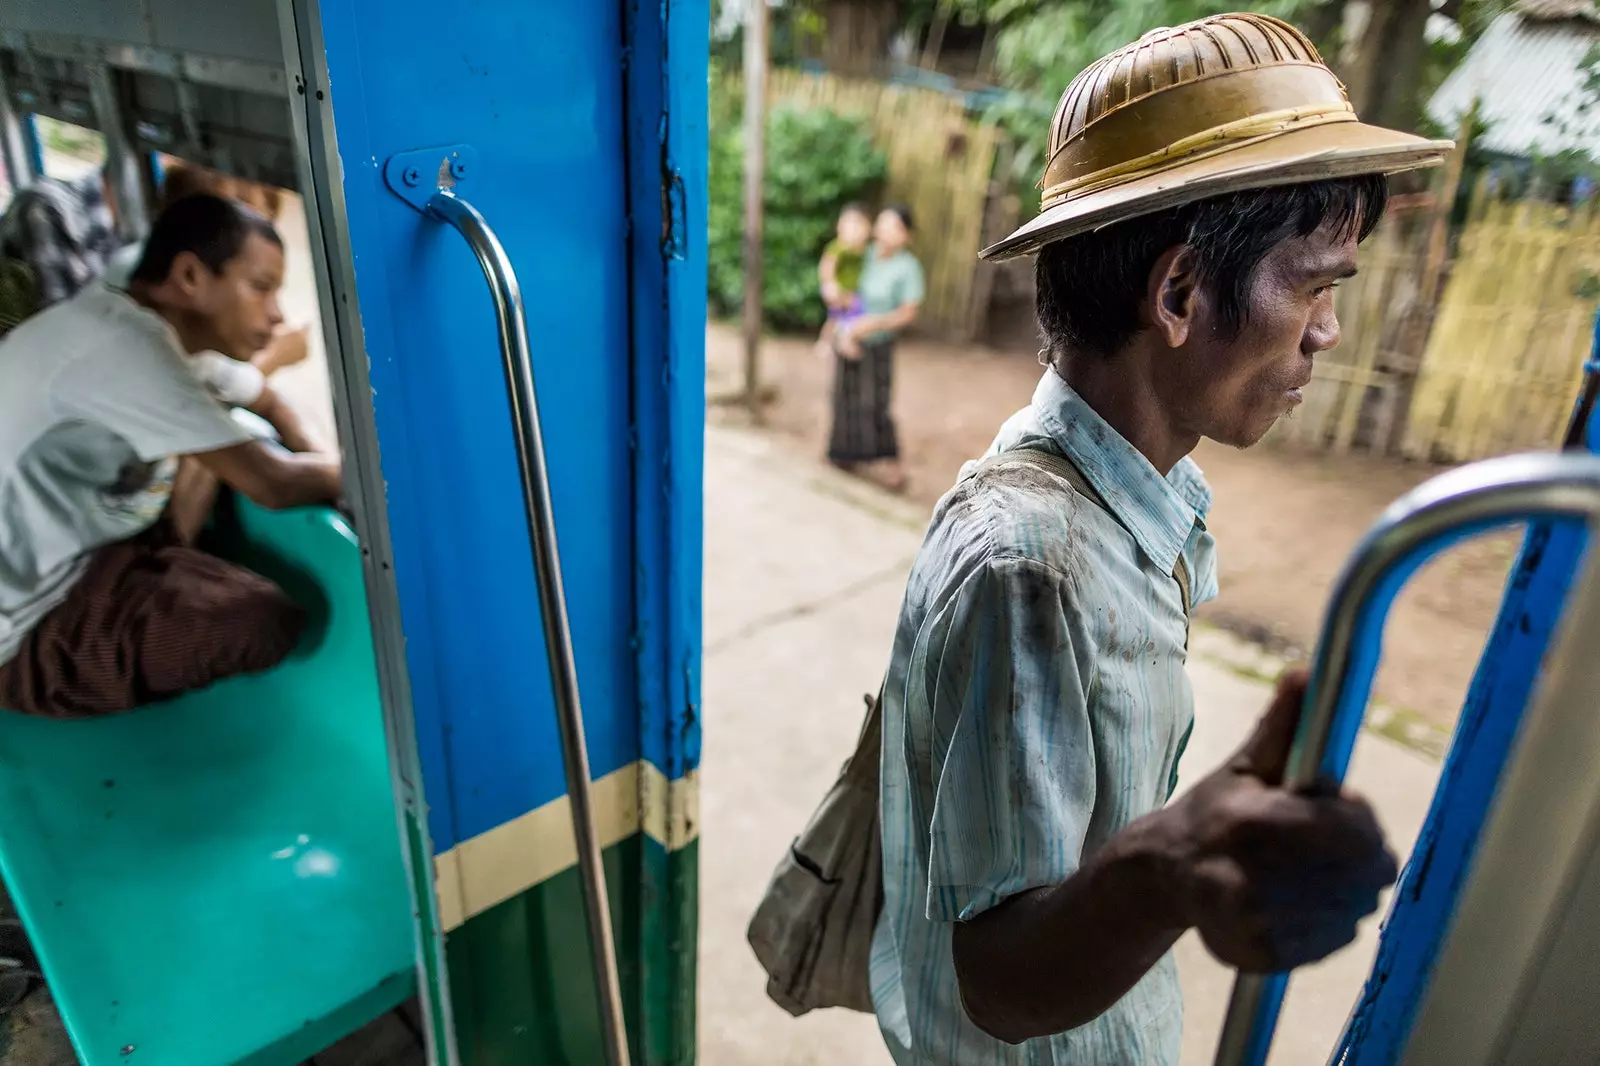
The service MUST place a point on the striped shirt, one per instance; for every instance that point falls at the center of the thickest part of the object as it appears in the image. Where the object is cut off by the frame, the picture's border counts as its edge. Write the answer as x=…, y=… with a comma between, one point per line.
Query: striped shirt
x=1036, y=704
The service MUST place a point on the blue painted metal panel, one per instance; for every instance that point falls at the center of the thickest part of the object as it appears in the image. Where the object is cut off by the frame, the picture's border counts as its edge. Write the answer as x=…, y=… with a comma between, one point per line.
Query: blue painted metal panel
x=668, y=55
x=1425, y=900
x=536, y=90
x=668, y=47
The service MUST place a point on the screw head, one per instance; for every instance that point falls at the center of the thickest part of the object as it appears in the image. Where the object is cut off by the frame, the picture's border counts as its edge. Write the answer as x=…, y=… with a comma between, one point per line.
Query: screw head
x=412, y=176
x=458, y=167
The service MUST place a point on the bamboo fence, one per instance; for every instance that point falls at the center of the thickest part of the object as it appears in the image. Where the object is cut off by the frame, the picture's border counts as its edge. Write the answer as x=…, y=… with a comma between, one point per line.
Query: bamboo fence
x=1505, y=356
x=939, y=165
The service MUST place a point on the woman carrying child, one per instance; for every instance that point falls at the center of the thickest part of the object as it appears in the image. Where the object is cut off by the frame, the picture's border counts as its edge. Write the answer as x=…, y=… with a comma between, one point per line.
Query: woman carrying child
x=890, y=293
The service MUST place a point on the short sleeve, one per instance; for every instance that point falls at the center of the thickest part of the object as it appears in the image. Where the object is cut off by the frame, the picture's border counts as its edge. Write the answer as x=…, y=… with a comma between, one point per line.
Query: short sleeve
x=913, y=288
x=229, y=381
x=146, y=394
x=1015, y=782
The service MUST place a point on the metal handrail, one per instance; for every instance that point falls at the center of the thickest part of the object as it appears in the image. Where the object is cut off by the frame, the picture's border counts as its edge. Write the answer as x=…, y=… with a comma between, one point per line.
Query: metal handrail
x=517, y=358
x=1441, y=511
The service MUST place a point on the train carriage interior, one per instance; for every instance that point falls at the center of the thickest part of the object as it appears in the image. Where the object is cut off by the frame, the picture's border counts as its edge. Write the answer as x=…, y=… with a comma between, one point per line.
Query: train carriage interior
x=219, y=879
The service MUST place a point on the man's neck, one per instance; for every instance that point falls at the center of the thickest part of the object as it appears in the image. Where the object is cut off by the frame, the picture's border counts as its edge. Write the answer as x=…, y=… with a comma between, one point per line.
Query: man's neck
x=188, y=336
x=1121, y=389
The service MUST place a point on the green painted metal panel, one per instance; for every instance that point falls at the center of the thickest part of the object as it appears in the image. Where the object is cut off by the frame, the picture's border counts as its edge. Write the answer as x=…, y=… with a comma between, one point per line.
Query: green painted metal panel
x=521, y=981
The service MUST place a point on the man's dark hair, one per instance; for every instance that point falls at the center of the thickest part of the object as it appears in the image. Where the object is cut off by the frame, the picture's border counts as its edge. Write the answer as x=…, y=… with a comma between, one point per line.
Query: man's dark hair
x=905, y=216
x=1090, y=286
x=183, y=180
x=214, y=229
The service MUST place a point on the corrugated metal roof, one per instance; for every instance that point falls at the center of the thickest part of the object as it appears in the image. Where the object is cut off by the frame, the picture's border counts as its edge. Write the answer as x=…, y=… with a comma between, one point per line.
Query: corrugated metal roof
x=1558, y=9
x=1526, y=74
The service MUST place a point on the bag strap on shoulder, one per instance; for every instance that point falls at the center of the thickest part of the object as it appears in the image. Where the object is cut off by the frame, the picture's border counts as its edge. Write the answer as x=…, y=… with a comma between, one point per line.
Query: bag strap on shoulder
x=1067, y=470
x=863, y=764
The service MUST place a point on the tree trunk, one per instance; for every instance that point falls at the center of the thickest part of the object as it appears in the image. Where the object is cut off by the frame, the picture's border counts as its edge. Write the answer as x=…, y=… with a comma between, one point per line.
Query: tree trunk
x=935, y=40
x=1323, y=24
x=991, y=34
x=756, y=59
x=858, y=33
x=1384, y=74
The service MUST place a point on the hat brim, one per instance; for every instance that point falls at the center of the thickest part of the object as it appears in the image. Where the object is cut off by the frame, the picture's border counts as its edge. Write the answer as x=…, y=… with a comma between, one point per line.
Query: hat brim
x=1335, y=150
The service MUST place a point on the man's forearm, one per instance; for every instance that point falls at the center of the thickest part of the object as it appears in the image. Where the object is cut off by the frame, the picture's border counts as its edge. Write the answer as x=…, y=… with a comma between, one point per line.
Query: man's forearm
x=282, y=417
x=308, y=478
x=1056, y=958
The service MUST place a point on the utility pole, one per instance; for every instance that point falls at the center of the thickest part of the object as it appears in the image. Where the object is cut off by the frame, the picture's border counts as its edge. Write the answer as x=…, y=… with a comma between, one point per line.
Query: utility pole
x=755, y=165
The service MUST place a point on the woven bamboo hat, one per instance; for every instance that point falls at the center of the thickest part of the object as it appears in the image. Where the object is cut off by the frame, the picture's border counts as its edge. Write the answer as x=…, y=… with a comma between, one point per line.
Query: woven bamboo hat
x=1226, y=103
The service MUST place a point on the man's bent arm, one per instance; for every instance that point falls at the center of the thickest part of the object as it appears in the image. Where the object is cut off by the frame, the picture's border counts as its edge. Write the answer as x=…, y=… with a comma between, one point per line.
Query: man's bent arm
x=1271, y=878
x=271, y=406
x=273, y=477
x=1056, y=958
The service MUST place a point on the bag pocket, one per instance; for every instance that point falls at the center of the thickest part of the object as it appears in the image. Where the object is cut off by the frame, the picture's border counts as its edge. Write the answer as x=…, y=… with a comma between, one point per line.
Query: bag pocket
x=785, y=932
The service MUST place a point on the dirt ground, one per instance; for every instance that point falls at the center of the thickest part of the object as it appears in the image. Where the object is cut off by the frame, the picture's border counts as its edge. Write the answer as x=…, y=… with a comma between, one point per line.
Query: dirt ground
x=1284, y=521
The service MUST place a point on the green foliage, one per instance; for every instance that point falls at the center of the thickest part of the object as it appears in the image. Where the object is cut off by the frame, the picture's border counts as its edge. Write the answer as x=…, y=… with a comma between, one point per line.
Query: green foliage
x=726, y=99
x=817, y=162
x=794, y=33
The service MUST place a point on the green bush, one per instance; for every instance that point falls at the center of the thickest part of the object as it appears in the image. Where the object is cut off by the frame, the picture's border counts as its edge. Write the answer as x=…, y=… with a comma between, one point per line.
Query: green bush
x=817, y=162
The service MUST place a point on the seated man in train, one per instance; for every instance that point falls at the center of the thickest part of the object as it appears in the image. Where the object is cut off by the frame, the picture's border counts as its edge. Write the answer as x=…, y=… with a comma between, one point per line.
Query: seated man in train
x=234, y=383
x=111, y=455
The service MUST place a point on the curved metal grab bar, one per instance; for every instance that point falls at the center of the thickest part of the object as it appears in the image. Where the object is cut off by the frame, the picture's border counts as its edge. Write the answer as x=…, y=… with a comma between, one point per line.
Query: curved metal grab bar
x=517, y=359
x=1439, y=512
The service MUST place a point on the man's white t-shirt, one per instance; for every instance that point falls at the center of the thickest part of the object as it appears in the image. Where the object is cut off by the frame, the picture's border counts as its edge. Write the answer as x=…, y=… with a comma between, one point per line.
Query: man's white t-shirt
x=229, y=381
x=123, y=262
x=97, y=399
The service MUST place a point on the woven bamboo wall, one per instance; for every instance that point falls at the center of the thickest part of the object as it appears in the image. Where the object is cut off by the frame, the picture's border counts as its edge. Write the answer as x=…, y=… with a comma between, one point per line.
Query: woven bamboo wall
x=1506, y=353
x=939, y=165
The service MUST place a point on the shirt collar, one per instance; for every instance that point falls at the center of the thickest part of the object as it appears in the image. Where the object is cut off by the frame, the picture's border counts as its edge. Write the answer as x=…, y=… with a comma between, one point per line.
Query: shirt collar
x=1160, y=512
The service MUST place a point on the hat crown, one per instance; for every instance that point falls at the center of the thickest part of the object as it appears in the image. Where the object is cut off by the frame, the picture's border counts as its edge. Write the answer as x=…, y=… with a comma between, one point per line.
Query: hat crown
x=1220, y=105
x=1169, y=57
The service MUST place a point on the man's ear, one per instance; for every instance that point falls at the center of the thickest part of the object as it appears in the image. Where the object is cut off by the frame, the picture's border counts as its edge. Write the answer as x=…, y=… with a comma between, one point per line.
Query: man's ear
x=1173, y=295
x=188, y=277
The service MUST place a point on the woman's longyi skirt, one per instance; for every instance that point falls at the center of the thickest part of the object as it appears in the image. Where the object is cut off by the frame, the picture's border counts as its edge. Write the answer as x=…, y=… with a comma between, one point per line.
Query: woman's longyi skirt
x=863, y=428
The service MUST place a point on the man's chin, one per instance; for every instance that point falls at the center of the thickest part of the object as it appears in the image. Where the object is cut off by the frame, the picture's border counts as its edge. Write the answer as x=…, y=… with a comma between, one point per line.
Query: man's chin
x=1250, y=435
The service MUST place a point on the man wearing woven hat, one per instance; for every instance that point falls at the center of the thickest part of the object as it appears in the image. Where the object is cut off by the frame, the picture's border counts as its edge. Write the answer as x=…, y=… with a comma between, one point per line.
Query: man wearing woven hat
x=1205, y=192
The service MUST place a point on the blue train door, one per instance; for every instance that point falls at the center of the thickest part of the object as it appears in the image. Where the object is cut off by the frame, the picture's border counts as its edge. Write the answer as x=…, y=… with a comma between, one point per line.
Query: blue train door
x=576, y=130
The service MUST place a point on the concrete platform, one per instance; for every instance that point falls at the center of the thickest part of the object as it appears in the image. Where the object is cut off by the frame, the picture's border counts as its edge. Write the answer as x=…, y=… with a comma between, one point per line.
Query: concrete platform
x=804, y=574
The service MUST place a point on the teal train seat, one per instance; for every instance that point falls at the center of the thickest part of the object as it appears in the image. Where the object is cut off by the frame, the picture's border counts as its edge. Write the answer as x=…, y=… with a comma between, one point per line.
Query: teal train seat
x=218, y=879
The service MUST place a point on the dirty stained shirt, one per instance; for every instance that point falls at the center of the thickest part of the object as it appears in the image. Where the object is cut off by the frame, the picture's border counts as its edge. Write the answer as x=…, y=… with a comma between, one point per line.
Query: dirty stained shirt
x=1036, y=704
